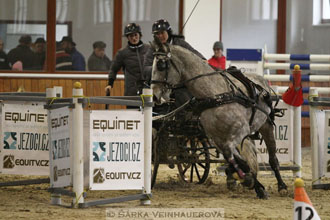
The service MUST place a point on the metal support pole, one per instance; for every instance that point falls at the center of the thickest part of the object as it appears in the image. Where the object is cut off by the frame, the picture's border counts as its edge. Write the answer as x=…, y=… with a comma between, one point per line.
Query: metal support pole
x=78, y=158
x=147, y=94
x=314, y=138
x=297, y=139
x=55, y=198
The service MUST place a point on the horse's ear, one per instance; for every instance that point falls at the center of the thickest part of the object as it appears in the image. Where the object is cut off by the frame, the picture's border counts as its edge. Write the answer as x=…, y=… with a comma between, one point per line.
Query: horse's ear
x=159, y=45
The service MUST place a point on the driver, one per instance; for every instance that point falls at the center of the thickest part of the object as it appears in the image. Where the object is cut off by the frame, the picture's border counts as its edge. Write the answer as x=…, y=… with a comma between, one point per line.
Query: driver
x=163, y=31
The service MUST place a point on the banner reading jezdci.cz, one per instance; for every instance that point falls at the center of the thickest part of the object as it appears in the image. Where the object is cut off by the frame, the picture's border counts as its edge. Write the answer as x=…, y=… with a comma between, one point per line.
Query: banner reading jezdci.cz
x=60, y=149
x=24, y=139
x=116, y=150
x=283, y=132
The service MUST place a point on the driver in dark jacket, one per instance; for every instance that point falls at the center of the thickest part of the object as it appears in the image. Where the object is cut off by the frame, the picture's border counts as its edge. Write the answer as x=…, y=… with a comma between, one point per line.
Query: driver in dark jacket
x=130, y=59
x=163, y=31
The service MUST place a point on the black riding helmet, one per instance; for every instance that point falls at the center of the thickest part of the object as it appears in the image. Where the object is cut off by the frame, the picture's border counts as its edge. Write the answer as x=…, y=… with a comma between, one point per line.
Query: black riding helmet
x=132, y=28
x=162, y=25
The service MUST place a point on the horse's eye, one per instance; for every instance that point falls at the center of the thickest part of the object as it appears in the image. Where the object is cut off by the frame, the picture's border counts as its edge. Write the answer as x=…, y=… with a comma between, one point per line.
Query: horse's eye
x=161, y=65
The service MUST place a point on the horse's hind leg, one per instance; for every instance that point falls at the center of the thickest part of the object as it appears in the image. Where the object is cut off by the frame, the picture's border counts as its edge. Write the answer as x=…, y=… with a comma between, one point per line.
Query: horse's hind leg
x=267, y=133
x=260, y=190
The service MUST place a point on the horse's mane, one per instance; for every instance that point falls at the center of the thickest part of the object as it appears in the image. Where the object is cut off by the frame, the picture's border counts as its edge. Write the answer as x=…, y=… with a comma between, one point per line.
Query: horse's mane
x=187, y=55
x=203, y=67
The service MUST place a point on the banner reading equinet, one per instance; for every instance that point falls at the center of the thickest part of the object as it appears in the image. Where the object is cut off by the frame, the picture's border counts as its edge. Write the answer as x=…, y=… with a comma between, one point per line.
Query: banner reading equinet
x=24, y=139
x=116, y=150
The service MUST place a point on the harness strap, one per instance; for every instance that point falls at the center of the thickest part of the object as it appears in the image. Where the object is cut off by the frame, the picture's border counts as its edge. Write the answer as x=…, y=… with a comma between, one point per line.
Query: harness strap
x=182, y=84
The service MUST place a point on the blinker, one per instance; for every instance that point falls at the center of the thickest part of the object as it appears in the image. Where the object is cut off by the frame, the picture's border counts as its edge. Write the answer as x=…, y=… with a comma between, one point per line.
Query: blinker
x=162, y=64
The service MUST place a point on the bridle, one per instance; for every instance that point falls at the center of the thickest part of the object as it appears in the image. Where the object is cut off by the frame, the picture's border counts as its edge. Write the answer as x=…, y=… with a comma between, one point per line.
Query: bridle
x=163, y=63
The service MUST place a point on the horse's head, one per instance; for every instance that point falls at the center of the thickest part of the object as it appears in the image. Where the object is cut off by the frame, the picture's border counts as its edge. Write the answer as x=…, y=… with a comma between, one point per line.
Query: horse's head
x=165, y=72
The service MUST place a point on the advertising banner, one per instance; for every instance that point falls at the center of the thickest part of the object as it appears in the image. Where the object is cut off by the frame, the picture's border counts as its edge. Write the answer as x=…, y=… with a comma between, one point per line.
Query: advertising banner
x=24, y=139
x=60, y=149
x=326, y=149
x=283, y=132
x=116, y=150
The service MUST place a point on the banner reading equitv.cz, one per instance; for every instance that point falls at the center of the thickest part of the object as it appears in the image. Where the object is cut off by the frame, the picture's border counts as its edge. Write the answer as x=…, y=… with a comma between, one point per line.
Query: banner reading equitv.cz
x=24, y=139
x=116, y=150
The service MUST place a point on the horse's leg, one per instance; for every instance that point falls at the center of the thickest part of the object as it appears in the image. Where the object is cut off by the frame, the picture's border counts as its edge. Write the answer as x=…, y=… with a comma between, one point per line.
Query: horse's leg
x=267, y=133
x=237, y=169
x=260, y=190
x=230, y=180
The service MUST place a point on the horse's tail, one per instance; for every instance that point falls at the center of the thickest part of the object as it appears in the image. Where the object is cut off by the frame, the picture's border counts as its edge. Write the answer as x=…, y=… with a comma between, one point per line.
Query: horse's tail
x=248, y=153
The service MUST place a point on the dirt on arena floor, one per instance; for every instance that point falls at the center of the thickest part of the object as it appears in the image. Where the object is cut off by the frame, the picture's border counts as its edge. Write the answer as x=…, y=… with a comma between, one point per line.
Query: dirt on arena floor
x=33, y=202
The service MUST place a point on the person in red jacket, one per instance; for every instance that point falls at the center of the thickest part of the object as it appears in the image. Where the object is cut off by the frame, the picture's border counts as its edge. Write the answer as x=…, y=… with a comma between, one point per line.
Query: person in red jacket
x=218, y=60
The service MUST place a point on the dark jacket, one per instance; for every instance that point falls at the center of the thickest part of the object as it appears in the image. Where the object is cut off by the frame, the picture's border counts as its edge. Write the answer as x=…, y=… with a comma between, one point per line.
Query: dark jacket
x=40, y=60
x=4, y=65
x=130, y=59
x=63, y=60
x=24, y=54
x=96, y=63
x=175, y=40
x=78, y=60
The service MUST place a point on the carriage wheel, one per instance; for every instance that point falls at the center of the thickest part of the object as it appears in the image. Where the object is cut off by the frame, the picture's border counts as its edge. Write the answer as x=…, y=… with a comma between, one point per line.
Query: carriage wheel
x=194, y=163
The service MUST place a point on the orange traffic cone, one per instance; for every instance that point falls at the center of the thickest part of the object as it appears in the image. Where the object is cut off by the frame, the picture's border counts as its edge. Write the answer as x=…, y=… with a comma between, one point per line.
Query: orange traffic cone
x=303, y=208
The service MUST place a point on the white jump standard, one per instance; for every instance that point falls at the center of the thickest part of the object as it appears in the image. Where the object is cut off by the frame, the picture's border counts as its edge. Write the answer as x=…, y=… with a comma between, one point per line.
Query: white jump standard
x=91, y=149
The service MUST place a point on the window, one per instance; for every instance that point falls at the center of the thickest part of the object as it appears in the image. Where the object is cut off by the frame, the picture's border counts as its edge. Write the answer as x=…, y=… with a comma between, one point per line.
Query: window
x=92, y=20
x=146, y=12
x=264, y=10
x=325, y=11
x=321, y=12
x=21, y=25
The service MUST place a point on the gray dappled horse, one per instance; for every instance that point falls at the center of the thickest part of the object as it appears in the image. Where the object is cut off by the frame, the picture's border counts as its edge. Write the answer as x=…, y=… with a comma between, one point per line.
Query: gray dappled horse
x=228, y=122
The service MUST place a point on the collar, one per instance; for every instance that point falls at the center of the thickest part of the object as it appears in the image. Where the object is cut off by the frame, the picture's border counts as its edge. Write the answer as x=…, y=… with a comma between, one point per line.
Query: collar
x=135, y=46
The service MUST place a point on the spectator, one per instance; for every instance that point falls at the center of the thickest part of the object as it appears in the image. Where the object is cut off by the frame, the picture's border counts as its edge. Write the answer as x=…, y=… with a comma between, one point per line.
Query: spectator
x=98, y=61
x=23, y=53
x=4, y=65
x=78, y=60
x=63, y=59
x=130, y=59
x=218, y=60
x=40, y=52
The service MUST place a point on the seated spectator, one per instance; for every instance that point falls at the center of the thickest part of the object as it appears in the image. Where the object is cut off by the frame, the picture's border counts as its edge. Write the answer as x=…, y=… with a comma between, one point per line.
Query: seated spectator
x=4, y=65
x=63, y=59
x=23, y=53
x=78, y=60
x=98, y=61
x=218, y=60
x=40, y=52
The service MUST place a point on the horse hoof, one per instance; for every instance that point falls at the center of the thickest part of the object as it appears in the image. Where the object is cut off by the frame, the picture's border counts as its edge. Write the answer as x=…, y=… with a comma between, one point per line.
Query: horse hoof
x=231, y=184
x=283, y=192
x=262, y=195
